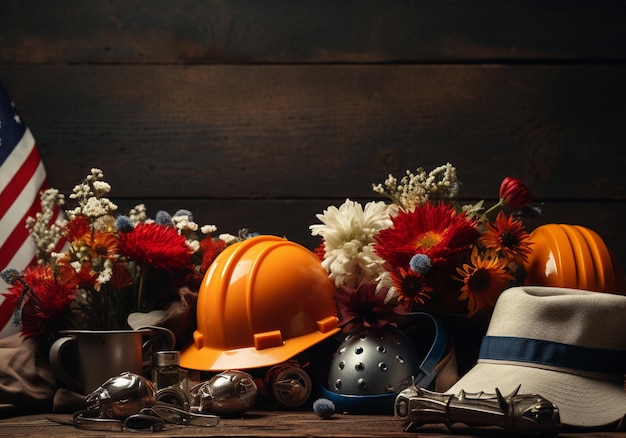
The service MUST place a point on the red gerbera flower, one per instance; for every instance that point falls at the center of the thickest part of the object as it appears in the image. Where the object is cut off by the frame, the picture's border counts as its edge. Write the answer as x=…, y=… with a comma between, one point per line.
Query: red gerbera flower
x=436, y=231
x=48, y=297
x=508, y=235
x=159, y=246
x=77, y=227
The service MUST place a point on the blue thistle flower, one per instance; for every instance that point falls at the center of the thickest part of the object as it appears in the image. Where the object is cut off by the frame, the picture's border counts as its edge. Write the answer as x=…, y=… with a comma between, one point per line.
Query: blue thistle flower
x=183, y=212
x=123, y=224
x=162, y=217
x=324, y=408
x=420, y=264
x=10, y=275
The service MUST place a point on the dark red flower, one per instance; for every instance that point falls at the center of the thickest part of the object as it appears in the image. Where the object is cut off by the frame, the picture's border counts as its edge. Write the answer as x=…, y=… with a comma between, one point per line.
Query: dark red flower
x=77, y=227
x=158, y=246
x=211, y=248
x=320, y=251
x=363, y=308
x=514, y=193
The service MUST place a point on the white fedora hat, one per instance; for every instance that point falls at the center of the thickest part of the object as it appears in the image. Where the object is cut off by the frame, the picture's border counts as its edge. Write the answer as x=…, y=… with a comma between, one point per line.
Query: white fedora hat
x=566, y=345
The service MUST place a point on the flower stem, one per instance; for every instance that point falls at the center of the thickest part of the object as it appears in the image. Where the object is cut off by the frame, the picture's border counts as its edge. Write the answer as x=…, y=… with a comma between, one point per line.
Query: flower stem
x=499, y=204
x=142, y=275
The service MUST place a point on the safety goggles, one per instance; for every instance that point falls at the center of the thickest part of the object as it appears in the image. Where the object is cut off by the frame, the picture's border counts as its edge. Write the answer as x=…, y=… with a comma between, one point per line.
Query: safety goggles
x=154, y=418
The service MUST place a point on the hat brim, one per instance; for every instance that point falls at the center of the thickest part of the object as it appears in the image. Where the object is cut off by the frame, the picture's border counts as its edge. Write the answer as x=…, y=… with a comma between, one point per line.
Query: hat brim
x=582, y=401
x=207, y=358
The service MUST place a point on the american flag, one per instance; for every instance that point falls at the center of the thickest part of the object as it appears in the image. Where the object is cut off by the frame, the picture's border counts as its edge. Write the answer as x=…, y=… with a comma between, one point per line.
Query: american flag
x=22, y=177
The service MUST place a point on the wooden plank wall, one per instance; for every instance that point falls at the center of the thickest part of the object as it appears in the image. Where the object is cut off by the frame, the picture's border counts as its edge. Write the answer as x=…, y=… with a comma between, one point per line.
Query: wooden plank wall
x=260, y=114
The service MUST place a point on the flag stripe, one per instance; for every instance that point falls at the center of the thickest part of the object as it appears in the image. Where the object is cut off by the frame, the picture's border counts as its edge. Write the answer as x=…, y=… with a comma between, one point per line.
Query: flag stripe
x=15, y=215
x=17, y=237
x=22, y=177
x=31, y=167
x=20, y=152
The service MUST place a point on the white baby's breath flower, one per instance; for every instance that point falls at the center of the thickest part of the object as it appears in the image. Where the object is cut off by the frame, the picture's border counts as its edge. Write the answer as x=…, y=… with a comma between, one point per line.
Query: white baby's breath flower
x=183, y=223
x=101, y=188
x=98, y=207
x=208, y=229
x=416, y=189
x=194, y=245
x=228, y=238
x=43, y=229
x=348, y=233
x=138, y=214
x=104, y=276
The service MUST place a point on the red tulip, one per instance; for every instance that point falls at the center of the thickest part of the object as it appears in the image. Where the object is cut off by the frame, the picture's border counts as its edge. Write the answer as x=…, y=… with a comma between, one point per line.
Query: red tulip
x=514, y=193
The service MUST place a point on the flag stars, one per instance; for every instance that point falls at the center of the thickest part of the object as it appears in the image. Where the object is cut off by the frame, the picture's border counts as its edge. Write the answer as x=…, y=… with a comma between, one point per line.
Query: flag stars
x=17, y=119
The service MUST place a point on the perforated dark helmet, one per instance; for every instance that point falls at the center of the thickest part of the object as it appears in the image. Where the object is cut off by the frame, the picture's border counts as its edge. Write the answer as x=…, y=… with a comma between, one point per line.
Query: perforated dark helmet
x=368, y=371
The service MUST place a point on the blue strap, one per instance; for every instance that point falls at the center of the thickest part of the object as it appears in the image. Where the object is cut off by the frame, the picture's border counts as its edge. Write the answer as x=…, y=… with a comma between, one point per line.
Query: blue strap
x=435, y=354
x=555, y=354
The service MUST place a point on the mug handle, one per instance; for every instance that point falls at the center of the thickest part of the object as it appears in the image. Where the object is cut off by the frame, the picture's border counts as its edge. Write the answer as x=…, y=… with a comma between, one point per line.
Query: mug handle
x=56, y=362
x=165, y=339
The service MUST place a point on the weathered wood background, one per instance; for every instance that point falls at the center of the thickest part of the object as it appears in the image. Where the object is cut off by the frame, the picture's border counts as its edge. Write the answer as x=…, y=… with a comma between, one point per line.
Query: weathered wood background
x=260, y=114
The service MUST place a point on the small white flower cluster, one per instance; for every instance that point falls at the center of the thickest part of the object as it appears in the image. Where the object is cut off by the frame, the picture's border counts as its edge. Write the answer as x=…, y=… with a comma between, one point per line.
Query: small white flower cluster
x=138, y=214
x=348, y=233
x=186, y=227
x=91, y=197
x=43, y=231
x=414, y=190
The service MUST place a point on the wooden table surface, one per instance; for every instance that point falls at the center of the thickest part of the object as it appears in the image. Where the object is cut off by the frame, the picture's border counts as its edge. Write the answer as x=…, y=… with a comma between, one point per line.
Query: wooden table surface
x=262, y=423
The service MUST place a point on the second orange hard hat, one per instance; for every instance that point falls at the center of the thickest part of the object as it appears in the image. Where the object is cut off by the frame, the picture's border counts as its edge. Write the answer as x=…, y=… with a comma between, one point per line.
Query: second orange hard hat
x=572, y=256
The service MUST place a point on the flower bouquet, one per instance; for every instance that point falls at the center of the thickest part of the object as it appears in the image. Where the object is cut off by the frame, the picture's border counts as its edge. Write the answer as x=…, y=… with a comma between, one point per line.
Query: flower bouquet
x=95, y=268
x=423, y=251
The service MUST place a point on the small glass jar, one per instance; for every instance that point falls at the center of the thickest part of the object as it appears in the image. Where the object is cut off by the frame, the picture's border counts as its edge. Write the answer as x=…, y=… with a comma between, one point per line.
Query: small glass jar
x=169, y=380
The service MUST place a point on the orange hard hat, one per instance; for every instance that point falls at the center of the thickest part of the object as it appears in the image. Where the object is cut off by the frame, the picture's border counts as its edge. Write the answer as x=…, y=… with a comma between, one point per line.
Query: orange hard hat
x=262, y=301
x=572, y=256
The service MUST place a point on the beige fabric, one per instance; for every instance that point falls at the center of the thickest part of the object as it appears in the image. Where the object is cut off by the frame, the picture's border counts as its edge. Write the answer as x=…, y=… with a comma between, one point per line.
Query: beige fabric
x=26, y=381
x=572, y=317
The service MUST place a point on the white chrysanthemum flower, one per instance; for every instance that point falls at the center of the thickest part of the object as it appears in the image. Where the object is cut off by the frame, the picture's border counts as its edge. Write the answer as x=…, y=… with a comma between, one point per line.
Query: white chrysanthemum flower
x=348, y=233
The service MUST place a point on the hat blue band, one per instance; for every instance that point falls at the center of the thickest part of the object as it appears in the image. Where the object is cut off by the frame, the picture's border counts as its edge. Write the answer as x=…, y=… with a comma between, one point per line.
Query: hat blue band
x=554, y=354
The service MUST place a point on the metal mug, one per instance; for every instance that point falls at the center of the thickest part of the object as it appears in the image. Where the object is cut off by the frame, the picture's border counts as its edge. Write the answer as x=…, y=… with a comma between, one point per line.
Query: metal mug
x=84, y=359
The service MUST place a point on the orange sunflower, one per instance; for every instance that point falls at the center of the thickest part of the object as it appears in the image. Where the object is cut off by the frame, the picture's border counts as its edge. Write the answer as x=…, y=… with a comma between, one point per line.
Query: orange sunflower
x=411, y=287
x=483, y=279
x=436, y=231
x=508, y=235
